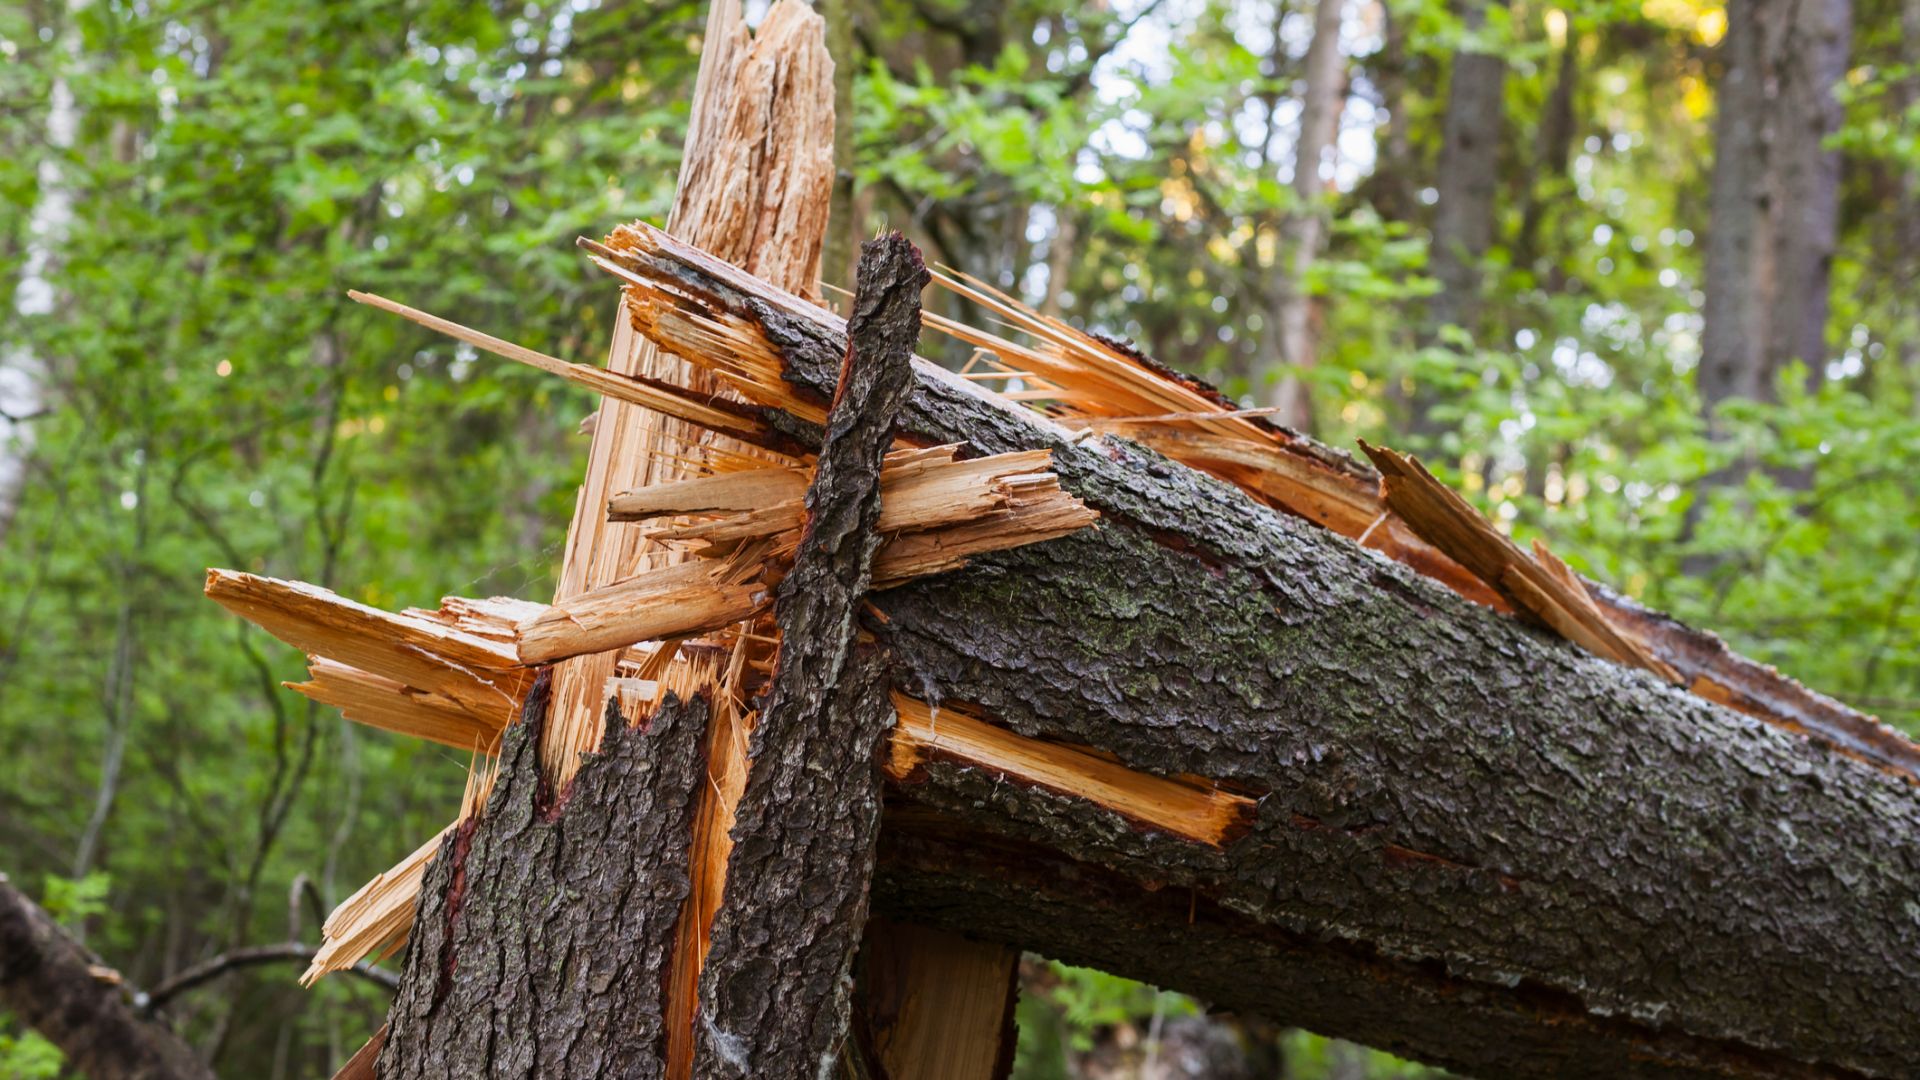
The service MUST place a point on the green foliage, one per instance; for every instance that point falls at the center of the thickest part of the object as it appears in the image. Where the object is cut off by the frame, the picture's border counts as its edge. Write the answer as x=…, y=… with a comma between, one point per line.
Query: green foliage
x=27, y=1056
x=216, y=400
x=76, y=900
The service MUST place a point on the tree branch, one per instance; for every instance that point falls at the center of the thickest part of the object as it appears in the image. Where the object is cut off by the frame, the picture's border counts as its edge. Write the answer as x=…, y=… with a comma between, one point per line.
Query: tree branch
x=253, y=956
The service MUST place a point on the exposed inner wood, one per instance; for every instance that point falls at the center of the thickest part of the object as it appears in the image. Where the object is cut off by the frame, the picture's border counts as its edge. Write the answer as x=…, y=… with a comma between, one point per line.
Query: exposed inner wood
x=480, y=675
x=1541, y=586
x=679, y=403
x=373, y=921
x=755, y=186
x=390, y=705
x=673, y=601
x=1187, y=808
x=936, y=1005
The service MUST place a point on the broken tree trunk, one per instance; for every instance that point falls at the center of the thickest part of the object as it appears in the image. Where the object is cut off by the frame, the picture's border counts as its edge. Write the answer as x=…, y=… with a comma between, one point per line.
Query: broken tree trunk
x=1413, y=798
x=774, y=991
x=545, y=927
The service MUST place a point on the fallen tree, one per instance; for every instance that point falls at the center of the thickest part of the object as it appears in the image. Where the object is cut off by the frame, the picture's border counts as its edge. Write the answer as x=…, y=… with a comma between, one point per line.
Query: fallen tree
x=59, y=988
x=1424, y=780
x=1272, y=732
x=1222, y=748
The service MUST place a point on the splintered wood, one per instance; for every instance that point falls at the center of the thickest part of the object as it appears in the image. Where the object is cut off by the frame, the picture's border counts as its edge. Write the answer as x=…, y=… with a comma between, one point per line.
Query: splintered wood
x=1098, y=384
x=1189, y=808
x=1541, y=586
x=458, y=674
x=754, y=188
x=937, y=511
x=374, y=921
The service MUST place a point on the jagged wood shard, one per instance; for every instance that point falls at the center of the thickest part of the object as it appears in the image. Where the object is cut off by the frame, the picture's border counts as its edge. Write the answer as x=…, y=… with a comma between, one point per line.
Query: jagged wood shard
x=1184, y=807
x=375, y=920
x=1542, y=586
x=676, y=601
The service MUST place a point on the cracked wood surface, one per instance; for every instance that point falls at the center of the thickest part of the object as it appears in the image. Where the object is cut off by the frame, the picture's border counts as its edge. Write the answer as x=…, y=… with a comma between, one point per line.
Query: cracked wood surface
x=775, y=986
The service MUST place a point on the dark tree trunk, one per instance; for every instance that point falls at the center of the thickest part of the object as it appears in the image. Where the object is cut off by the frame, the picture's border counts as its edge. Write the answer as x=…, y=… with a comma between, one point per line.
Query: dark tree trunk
x=774, y=991
x=945, y=873
x=1437, y=788
x=58, y=988
x=1467, y=177
x=1774, y=201
x=1466, y=181
x=1553, y=148
x=541, y=940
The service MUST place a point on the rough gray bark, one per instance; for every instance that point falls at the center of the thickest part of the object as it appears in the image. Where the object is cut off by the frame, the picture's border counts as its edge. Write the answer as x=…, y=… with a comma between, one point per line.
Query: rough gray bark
x=541, y=940
x=1774, y=195
x=944, y=873
x=774, y=990
x=1437, y=784
x=47, y=980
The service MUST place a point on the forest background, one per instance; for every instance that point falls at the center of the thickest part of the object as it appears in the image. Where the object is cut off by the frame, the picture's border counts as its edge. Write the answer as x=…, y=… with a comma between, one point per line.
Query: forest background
x=1635, y=275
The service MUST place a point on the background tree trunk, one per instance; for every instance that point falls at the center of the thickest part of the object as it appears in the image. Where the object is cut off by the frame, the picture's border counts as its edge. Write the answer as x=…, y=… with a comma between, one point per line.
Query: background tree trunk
x=1304, y=234
x=1466, y=182
x=1774, y=199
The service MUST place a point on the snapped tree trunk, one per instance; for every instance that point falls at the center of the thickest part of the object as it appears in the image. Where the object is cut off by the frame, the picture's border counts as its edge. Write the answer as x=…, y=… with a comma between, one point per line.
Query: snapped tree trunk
x=1403, y=818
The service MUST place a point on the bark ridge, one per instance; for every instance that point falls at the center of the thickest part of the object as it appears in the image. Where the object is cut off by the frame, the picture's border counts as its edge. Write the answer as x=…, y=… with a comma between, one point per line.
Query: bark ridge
x=544, y=928
x=774, y=992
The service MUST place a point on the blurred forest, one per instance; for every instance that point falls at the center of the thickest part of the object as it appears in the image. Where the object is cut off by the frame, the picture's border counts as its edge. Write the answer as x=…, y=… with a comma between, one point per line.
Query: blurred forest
x=1636, y=275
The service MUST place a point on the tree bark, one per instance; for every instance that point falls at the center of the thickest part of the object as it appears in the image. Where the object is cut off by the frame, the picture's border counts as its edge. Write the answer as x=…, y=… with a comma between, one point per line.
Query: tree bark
x=774, y=991
x=541, y=941
x=1774, y=198
x=58, y=988
x=947, y=874
x=1467, y=177
x=1488, y=810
